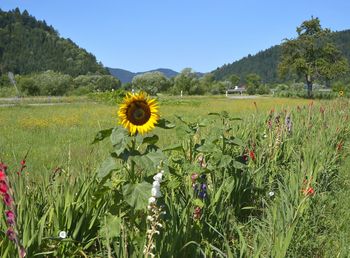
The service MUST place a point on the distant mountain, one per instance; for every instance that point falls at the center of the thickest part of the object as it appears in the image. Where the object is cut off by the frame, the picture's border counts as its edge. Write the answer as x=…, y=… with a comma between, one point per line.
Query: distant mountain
x=126, y=76
x=123, y=75
x=265, y=62
x=28, y=45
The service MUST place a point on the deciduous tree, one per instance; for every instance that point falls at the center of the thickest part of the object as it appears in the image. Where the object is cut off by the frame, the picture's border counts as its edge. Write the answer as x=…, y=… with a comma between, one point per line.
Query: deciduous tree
x=311, y=55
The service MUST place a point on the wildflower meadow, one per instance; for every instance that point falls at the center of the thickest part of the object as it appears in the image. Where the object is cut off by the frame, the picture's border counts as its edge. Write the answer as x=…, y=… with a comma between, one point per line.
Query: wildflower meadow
x=176, y=177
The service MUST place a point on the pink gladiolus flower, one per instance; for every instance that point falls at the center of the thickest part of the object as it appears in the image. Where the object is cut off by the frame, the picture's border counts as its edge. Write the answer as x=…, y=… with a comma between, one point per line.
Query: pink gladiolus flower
x=7, y=200
x=11, y=234
x=10, y=217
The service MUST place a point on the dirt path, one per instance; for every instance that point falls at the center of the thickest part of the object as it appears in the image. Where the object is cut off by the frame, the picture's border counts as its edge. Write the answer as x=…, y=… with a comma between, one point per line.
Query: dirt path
x=34, y=104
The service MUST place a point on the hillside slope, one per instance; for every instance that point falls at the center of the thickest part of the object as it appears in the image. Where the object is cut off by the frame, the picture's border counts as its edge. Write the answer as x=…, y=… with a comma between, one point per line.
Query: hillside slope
x=28, y=45
x=265, y=62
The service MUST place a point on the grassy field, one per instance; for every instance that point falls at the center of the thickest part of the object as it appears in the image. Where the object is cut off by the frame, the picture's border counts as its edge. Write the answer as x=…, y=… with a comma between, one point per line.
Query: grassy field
x=271, y=191
x=55, y=135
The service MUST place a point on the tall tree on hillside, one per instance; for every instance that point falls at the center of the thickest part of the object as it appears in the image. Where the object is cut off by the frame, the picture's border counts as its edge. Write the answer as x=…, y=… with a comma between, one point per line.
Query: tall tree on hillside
x=253, y=82
x=235, y=79
x=312, y=55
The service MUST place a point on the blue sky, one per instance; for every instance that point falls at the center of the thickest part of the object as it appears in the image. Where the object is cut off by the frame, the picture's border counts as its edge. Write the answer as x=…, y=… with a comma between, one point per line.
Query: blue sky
x=201, y=34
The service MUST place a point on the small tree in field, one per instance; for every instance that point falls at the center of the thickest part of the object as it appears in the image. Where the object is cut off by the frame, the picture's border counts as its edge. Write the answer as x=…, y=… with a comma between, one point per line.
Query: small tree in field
x=253, y=82
x=311, y=55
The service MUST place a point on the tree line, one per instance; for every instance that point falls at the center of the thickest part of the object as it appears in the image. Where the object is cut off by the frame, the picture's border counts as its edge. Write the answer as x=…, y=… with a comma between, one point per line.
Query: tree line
x=266, y=63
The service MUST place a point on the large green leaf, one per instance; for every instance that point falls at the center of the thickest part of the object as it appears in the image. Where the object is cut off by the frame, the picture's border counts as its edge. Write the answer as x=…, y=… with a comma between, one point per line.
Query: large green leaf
x=137, y=195
x=151, y=139
x=149, y=161
x=107, y=167
x=102, y=135
x=165, y=124
x=238, y=165
x=234, y=141
x=119, y=139
x=177, y=147
x=207, y=147
x=224, y=161
x=111, y=227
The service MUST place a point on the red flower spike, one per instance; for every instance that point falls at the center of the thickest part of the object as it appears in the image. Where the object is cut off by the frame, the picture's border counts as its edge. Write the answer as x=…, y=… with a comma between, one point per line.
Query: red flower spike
x=23, y=162
x=339, y=146
x=2, y=176
x=7, y=200
x=310, y=191
x=252, y=155
x=3, y=187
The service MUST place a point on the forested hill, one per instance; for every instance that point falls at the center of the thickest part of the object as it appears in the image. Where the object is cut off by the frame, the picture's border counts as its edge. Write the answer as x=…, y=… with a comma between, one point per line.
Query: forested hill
x=265, y=62
x=28, y=45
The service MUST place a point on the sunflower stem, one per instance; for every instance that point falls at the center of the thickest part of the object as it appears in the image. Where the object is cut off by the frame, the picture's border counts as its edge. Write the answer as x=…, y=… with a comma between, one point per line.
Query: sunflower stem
x=133, y=144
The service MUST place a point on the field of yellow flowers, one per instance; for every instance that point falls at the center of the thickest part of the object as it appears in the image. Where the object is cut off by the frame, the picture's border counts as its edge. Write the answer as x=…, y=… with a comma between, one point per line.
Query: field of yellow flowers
x=265, y=177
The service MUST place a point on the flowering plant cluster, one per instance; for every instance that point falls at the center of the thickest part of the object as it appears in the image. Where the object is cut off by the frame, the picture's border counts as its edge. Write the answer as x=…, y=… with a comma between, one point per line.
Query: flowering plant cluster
x=155, y=212
x=10, y=212
x=307, y=189
x=199, y=185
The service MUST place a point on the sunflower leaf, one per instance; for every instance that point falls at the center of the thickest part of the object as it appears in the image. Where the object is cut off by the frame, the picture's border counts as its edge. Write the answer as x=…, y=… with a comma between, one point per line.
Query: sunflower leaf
x=165, y=124
x=111, y=226
x=149, y=161
x=234, y=141
x=137, y=195
x=238, y=165
x=101, y=135
x=107, y=167
x=151, y=139
x=207, y=147
x=177, y=147
x=119, y=139
x=225, y=160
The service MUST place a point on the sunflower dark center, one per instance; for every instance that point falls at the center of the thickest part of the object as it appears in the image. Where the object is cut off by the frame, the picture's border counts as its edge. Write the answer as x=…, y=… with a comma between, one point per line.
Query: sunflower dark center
x=138, y=112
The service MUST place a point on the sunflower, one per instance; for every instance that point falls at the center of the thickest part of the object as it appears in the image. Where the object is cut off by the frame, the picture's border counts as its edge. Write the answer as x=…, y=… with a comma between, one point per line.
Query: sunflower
x=341, y=93
x=138, y=113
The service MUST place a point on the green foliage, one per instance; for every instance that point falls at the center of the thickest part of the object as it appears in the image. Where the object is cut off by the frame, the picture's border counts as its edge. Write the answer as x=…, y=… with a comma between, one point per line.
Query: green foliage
x=152, y=82
x=235, y=79
x=311, y=55
x=265, y=62
x=28, y=46
x=96, y=82
x=48, y=83
x=28, y=86
x=253, y=82
x=109, y=97
x=188, y=83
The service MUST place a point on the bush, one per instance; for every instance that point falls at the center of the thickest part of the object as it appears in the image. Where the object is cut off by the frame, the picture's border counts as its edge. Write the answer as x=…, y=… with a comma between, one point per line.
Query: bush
x=6, y=92
x=28, y=86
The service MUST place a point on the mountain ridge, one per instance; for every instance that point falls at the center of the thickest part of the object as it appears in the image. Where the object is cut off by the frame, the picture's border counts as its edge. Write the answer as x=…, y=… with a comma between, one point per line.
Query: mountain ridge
x=126, y=76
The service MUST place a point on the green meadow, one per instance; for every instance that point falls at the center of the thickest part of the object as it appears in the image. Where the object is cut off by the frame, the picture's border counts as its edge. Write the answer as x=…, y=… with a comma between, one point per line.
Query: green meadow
x=54, y=135
x=268, y=187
